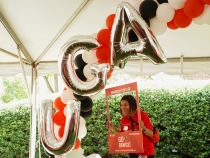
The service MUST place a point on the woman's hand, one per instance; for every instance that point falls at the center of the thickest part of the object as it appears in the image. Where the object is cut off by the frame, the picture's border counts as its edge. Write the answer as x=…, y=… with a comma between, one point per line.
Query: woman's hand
x=146, y=131
x=141, y=124
x=112, y=126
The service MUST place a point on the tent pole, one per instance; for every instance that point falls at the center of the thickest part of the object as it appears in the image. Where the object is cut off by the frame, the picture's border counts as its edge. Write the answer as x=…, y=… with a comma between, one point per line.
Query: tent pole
x=32, y=144
x=23, y=71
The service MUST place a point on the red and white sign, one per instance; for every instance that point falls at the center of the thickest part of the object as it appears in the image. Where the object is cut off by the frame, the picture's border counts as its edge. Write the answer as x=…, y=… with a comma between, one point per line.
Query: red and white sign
x=124, y=142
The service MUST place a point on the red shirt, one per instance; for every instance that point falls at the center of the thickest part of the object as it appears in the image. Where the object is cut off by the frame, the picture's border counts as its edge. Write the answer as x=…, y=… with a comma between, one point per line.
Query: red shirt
x=125, y=125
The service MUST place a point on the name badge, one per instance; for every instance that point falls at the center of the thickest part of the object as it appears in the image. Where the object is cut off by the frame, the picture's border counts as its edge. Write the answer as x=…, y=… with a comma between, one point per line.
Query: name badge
x=125, y=128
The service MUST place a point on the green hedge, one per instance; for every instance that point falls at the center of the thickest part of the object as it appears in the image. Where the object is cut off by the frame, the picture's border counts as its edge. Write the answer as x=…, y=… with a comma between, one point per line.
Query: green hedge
x=14, y=132
x=182, y=116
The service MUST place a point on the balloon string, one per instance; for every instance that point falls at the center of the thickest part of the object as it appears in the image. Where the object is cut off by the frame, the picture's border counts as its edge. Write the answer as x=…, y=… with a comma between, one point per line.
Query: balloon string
x=181, y=60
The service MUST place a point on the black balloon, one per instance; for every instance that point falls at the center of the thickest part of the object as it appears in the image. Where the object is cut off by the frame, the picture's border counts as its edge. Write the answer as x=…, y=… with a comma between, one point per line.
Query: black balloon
x=147, y=21
x=80, y=74
x=86, y=115
x=148, y=9
x=86, y=104
x=79, y=97
x=162, y=1
x=79, y=62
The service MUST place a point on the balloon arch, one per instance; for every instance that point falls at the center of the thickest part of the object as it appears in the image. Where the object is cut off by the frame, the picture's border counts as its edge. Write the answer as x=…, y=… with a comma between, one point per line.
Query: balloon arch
x=129, y=32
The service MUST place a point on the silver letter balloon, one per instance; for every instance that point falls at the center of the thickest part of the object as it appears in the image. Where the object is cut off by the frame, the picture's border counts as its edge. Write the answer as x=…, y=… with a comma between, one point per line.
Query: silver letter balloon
x=48, y=139
x=67, y=70
x=128, y=18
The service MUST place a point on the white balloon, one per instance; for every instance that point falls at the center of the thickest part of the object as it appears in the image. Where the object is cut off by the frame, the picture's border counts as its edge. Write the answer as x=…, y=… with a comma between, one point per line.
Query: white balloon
x=76, y=153
x=198, y=20
x=96, y=96
x=82, y=133
x=94, y=156
x=82, y=123
x=165, y=12
x=205, y=16
x=67, y=95
x=65, y=110
x=176, y=4
x=89, y=56
x=157, y=27
x=136, y=4
x=79, y=154
x=87, y=72
x=60, y=156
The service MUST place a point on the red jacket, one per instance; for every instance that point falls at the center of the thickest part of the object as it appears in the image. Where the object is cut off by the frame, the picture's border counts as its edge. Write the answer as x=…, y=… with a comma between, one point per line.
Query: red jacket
x=125, y=125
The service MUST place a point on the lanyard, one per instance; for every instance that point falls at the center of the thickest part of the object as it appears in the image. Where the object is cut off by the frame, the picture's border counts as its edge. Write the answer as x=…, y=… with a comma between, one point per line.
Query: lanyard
x=132, y=122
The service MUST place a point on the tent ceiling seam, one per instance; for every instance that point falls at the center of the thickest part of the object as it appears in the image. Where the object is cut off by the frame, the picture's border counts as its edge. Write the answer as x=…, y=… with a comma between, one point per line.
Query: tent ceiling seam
x=81, y=7
x=15, y=38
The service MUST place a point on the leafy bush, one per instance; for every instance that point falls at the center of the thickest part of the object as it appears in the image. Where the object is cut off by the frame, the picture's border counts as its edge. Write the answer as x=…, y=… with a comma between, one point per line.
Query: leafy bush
x=182, y=117
x=15, y=132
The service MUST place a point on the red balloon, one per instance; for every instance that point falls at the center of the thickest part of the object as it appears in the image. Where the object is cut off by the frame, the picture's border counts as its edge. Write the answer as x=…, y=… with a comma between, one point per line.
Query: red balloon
x=193, y=8
x=103, y=37
x=59, y=105
x=59, y=118
x=77, y=145
x=61, y=131
x=171, y=25
x=206, y=1
x=181, y=19
x=109, y=74
x=110, y=21
x=103, y=54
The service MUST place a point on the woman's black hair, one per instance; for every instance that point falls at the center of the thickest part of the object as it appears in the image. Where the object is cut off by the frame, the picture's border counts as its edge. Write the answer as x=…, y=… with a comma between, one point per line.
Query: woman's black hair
x=131, y=101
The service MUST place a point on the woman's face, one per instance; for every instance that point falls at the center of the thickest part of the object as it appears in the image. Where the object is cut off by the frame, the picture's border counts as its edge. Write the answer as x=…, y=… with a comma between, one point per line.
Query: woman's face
x=125, y=107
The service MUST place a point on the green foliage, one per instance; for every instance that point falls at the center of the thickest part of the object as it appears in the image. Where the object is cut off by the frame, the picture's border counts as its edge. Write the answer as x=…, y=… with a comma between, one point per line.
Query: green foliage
x=182, y=116
x=13, y=89
x=15, y=132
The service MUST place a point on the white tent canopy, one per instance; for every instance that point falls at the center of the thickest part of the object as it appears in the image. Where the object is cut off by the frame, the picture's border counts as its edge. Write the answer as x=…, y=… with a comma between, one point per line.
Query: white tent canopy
x=40, y=28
